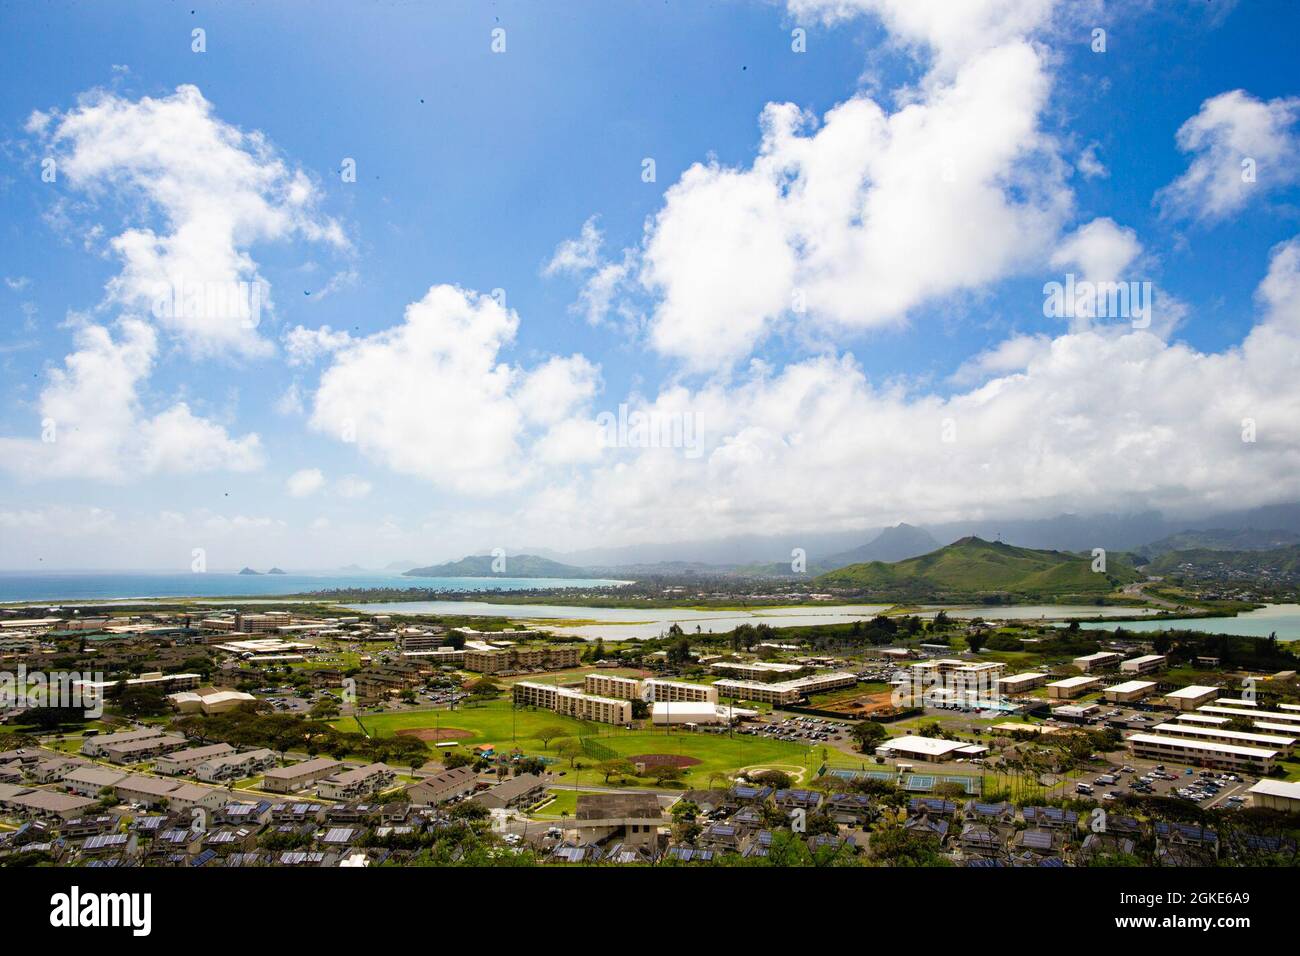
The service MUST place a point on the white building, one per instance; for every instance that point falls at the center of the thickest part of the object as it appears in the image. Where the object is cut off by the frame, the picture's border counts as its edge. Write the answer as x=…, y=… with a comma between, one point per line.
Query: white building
x=930, y=749
x=1129, y=691
x=1145, y=664
x=1203, y=753
x=1071, y=687
x=1189, y=698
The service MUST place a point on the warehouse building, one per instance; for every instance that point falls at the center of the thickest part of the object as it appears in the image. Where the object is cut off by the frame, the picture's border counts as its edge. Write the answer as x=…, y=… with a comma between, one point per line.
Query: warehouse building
x=1280, y=795
x=687, y=712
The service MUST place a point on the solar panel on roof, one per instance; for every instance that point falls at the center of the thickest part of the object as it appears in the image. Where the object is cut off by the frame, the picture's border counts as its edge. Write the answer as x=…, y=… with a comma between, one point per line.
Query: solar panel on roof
x=1037, y=840
x=203, y=858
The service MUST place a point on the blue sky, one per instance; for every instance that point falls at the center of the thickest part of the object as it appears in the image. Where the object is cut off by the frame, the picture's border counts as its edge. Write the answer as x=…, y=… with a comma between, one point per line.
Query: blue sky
x=474, y=167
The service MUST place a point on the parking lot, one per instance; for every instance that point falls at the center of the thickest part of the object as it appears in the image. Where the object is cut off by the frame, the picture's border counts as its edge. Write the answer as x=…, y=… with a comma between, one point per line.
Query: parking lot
x=799, y=729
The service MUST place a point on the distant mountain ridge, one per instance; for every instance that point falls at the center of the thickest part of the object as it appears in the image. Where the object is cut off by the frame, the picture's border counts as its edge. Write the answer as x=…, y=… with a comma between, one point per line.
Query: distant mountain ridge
x=893, y=544
x=516, y=566
x=975, y=568
x=1221, y=539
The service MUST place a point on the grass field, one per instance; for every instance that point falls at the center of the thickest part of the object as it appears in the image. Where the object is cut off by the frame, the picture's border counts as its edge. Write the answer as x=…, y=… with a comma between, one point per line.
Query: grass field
x=564, y=800
x=498, y=724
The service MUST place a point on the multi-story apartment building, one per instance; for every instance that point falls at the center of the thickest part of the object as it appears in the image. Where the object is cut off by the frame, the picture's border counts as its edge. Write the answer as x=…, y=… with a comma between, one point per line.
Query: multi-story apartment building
x=362, y=782
x=755, y=670
x=573, y=703
x=414, y=640
x=607, y=685
x=500, y=660
x=784, y=692
x=674, y=692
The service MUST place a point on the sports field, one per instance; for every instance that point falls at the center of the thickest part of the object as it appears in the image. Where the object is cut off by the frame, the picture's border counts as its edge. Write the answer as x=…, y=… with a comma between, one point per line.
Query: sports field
x=499, y=724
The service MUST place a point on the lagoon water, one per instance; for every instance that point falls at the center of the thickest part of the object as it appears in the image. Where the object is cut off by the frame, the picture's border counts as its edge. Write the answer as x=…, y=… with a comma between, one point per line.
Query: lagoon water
x=122, y=586
x=1282, y=619
x=1044, y=612
x=629, y=623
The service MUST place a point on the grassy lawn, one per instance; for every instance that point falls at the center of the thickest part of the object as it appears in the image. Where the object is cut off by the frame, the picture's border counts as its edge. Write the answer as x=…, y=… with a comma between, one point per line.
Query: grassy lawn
x=497, y=724
x=564, y=800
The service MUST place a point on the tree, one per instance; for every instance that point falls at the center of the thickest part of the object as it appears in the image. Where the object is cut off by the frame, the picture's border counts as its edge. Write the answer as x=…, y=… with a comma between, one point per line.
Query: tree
x=324, y=709
x=570, y=749
x=664, y=773
x=975, y=641
x=868, y=734
x=549, y=733
x=617, y=767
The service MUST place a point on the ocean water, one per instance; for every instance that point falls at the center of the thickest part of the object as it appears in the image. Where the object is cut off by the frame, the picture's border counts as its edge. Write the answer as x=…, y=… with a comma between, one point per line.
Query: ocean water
x=122, y=586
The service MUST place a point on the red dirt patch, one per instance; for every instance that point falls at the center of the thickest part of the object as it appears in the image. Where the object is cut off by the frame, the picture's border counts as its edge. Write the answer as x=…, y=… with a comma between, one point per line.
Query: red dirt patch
x=664, y=760
x=434, y=734
x=864, y=705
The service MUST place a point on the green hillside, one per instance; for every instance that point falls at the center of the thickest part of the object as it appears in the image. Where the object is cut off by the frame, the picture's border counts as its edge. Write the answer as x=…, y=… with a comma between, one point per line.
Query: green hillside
x=516, y=566
x=975, y=568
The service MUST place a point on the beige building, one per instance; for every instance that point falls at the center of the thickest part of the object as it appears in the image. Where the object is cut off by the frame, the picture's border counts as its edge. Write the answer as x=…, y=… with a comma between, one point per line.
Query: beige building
x=498, y=660
x=1189, y=698
x=1146, y=664
x=573, y=703
x=441, y=787
x=1280, y=742
x=783, y=692
x=629, y=818
x=754, y=670
x=182, y=761
x=1020, y=683
x=607, y=685
x=209, y=700
x=1280, y=795
x=1072, y=687
x=1129, y=691
x=133, y=751
x=353, y=784
x=1203, y=753
x=1100, y=661
x=299, y=776
x=234, y=766
x=676, y=691
x=97, y=745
